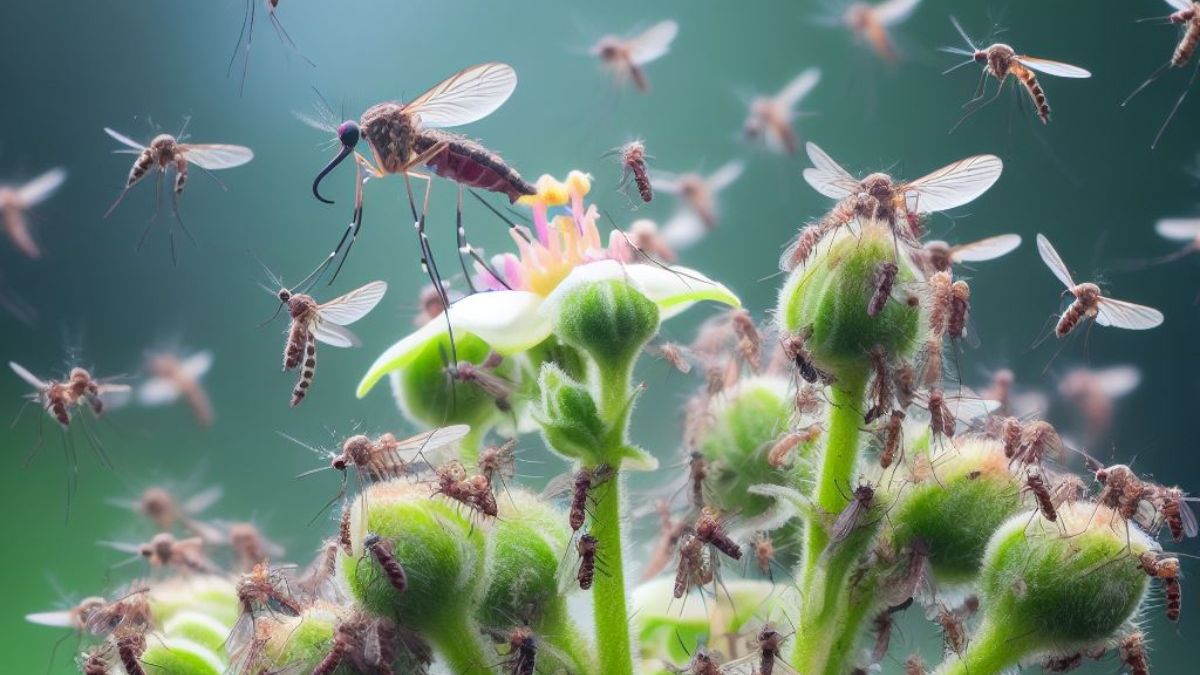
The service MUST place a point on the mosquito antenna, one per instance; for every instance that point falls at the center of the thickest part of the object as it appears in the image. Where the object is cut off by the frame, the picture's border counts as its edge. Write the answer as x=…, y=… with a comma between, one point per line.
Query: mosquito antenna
x=966, y=38
x=1178, y=103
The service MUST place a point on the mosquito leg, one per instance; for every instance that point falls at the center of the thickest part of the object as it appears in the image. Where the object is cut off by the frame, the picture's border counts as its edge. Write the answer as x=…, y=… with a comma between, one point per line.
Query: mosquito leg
x=249, y=41
x=466, y=249
x=427, y=259
x=241, y=35
x=354, y=227
x=1178, y=103
x=287, y=39
x=1149, y=80
x=512, y=226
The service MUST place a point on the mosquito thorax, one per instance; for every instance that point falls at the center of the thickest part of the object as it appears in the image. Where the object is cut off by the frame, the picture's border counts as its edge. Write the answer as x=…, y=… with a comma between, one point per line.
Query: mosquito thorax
x=878, y=185
x=858, y=15
x=1087, y=291
x=938, y=255
x=691, y=185
x=164, y=146
x=157, y=504
x=300, y=305
x=356, y=450
x=608, y=48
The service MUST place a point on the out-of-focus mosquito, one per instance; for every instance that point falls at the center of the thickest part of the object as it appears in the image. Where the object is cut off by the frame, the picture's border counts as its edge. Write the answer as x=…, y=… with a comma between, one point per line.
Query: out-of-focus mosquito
x=870, y=23
x=173, y=377
x=625, y=58
x=162, y=508
x=939, y=256
x=1179, y=229
x=633, y=168
x=1094, y=394
x=167, y=152
x=878, y=196
x=246, y=36
x=1090, y=304
x=1000, y=60
x=699, y=193
x=15, y=203
x=1187, y=17
x=770, y=117
x=61, y=399
x=325, y=322
x=405, y=136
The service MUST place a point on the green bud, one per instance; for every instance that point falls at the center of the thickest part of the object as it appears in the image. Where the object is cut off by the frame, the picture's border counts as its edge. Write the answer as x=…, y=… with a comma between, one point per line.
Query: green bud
x=179, y=656
x=956, y=506
x=829, y=296
x=609, y=320
x=199, y=628
x=212, y=596
x=427, y=395
x=433, y=539
x=569, y=417
x=301, y=641
x=525, y=550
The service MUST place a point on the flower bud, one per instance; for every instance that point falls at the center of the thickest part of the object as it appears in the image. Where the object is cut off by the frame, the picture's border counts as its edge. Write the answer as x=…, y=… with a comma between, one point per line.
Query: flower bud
x=525, y=548
x=569, y=417
x=829, y=296
x=610, y=320
x=199, y=628
x=174, y=655
x=428, y=395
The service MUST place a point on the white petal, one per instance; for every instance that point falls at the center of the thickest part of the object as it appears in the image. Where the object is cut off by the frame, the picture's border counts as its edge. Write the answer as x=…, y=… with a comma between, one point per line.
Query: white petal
x=509, y=321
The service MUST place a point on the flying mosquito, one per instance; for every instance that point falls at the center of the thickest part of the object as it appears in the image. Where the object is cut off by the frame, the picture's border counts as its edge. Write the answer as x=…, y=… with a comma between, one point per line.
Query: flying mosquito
x=1186, y=230
x=870, y=23
x=62, y=399
x=698, y=193
x=167, y=152
x=325, y=322
x=1000, y=61
x=1187, y=17
x=939, y=256
x=246, y=36
x=879, y=197
x=15, y=203
x=405, y=136
x=173, y=377
x=626, y=57
x=770, y=117
x=1090, y=304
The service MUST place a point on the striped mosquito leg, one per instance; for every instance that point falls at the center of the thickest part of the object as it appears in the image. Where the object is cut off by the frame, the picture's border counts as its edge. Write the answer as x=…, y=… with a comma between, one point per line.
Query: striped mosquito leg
x=306, y=374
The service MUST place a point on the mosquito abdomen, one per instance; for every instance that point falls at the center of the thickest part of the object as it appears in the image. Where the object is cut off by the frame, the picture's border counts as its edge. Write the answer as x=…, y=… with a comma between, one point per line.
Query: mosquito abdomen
x=1026, y=77
x=306, y=375
x=1187, y=46
x=466, y=162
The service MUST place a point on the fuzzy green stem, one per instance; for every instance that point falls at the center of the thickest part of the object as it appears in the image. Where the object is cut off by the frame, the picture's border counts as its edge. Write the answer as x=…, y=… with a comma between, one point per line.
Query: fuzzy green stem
x=614, y=395
x=561, y=632
x=821, y=583
x=990, y=651
x=849, y=630
x=608, y=593
x=456, y=639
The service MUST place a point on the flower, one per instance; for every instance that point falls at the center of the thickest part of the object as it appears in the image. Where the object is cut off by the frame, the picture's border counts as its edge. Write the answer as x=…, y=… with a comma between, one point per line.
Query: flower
x=563, y=251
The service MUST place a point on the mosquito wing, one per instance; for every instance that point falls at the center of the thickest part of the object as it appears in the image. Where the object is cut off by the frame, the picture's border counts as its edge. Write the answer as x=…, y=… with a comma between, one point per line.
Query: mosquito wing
x=1054, y=261
x=214, y=157
x=196, y=365
x=122, y=138
x=1118, y=381
x=467, y=96
x=798, y=88
x=1190, y=527
x=683, y=230
x=27, y=376
x=653, y=43
x=1056, y=68
x=202, y=500
x=346, y=309
x=60, y=619
x=157, y=391
x=1121, y=314
x=39, y=189
x=438, y=438
x=665, y=182
x=1180, y=4
x=1178, y=229
x=827, y=176
x=955, y=184
x=893, y=12
x=726, y=175
x=985, y=249
x=335, y=335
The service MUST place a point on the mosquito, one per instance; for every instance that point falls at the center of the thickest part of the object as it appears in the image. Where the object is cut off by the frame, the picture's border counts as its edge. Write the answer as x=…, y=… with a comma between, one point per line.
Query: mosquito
x=1187, y=17
x=16, y=203
x=1000, y=61
x=770, y=118
x=1179, y=229
x=61, y=399
x=165, y=510
x=1132, y=652
x=164, y=550
x=167, y=152
x=879, y=197
x=698, y=193
x=870, y=23
x=405, y=136
x=1094, y=392
x=325, y=322
x=1090, y=304
x=173, y=377
x=939, y=256
x=633, y=169
x=626, y=58
x=246, y=36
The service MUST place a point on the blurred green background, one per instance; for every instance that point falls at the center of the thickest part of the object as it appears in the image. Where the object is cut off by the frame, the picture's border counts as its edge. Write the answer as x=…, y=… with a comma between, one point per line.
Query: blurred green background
x=1089, y=181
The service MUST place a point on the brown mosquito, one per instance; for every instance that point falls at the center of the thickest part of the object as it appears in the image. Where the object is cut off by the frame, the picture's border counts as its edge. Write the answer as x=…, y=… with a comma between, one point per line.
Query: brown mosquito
x=626, y=58
x=1186, y=16
x=770, y=118
x=698, y=194
x=1089, y=303
x=870, y=23
x=16, y=203
x=173, y=377
x=165, y=510
x=938, y=256
x=1000, y=60
x=1132, y=652
x=633, y=169
x=164, y=550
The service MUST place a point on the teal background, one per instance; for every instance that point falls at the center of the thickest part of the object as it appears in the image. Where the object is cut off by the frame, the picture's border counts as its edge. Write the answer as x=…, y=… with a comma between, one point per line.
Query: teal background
x=69, y=69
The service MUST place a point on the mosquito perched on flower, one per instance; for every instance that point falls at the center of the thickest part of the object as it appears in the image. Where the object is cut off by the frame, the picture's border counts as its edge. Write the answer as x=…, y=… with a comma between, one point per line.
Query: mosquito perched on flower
x=1090, y=304
x=870, y=23
x=879, y=197
x=169, y=152
x=626, y=58
x=770, y=117
x=1000, y=60
x=172, y=377
x=939, y=256
x=246, y=36
x=325, y=322
x=405, y=136
x=16, y=202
